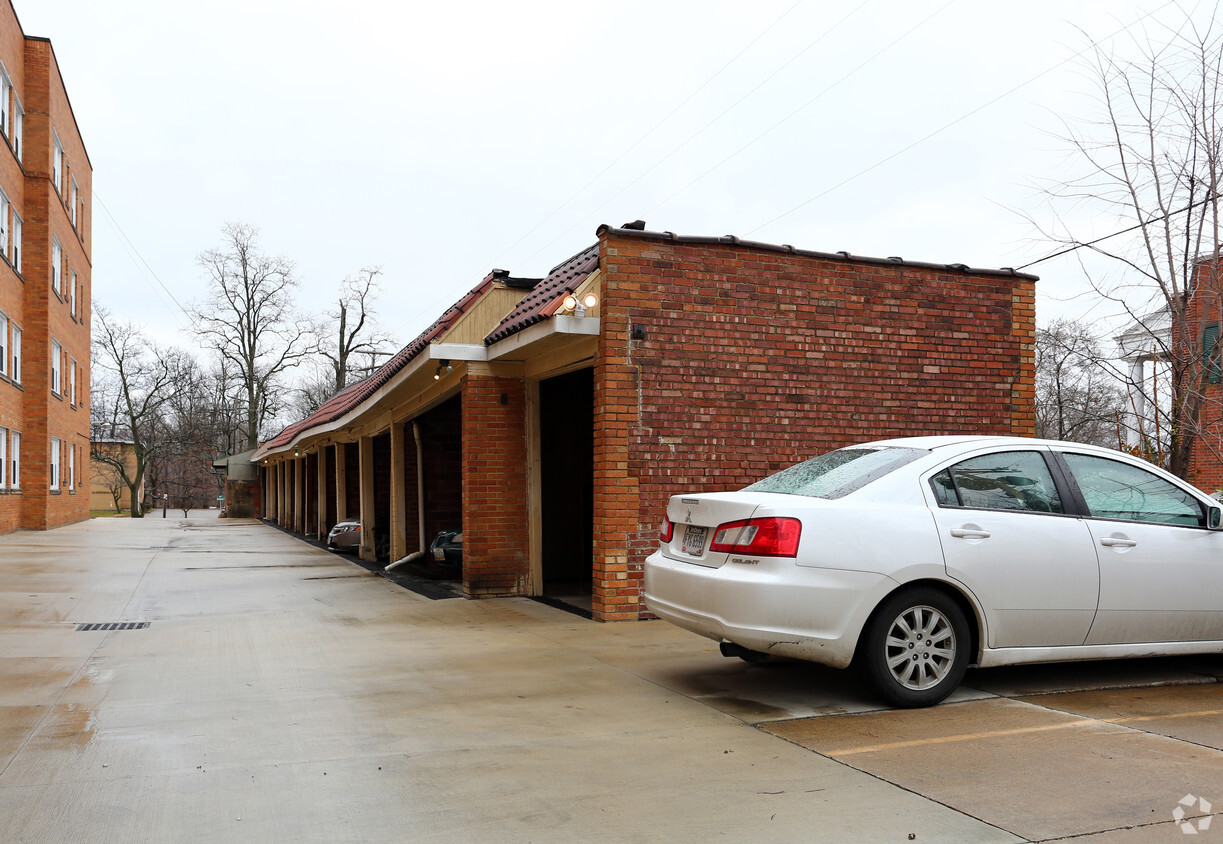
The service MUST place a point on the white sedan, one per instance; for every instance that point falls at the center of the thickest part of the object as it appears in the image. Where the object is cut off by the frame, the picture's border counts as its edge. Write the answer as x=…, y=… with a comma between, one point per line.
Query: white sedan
x=915, y=558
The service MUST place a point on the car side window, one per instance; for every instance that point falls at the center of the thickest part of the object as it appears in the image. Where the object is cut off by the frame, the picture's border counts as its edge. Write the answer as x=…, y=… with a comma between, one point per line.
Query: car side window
x=1009, y=480
x=1115, y=490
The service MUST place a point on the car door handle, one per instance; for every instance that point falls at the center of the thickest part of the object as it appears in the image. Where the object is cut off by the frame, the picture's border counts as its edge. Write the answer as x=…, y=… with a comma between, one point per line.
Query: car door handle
x=1117, y=541
x=968, y=533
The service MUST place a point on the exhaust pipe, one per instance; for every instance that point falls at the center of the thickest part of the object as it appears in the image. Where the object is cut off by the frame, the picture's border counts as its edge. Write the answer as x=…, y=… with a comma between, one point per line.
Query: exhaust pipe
x=745, y=654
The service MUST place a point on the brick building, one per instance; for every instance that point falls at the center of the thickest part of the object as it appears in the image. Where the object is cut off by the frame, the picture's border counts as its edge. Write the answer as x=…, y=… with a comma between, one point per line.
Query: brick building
x=552, y=418
x=45, y=213
x=1192, y=353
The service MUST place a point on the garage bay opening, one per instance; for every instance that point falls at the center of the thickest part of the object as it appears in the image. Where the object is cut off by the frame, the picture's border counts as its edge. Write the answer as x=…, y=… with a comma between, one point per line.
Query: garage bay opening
x=566, y=429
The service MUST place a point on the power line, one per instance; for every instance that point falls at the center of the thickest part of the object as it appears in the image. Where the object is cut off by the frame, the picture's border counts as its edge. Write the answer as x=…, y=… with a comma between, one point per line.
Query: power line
x=947, y=126
x=133, y=250
x=804, y=106
x=659, y=124
x=704, y=128
x=1077, y=246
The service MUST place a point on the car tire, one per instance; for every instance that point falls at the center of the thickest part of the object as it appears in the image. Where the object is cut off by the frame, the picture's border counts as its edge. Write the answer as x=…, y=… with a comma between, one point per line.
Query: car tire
x=914, y=650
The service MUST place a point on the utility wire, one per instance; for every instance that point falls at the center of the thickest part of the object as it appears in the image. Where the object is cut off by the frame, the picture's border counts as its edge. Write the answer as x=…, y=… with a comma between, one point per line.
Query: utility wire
x=654, y=129
x=804, y=106
x=719, y=116
x=960, y=119
x=659, y=124
x=133, y=250
x=1077, y=245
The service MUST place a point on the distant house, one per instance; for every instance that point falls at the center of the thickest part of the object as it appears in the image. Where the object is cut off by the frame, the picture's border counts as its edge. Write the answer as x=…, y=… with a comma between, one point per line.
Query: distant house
x=107, y=491
x=550, y=419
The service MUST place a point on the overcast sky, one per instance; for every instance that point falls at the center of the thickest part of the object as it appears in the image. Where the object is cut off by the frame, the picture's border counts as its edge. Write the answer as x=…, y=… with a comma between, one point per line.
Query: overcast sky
x=440, y=140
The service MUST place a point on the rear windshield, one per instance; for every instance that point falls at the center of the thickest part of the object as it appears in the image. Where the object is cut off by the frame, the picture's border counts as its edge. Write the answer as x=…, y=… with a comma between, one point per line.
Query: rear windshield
x=837, y=473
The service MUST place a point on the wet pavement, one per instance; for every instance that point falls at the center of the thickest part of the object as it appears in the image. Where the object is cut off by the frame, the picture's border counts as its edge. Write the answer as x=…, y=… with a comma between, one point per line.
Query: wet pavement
x=281, y=692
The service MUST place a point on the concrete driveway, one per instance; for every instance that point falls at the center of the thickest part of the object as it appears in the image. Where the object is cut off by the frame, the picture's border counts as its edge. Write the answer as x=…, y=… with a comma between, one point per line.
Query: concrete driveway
x=282, y=693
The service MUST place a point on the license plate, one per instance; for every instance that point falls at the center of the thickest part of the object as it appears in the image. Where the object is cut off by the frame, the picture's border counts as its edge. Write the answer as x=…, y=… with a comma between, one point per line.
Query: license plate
x=439, y=554
x=694, y=540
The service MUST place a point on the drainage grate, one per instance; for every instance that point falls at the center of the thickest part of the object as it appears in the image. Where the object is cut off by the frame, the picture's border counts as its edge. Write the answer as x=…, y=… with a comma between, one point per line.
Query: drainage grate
x=114, y=625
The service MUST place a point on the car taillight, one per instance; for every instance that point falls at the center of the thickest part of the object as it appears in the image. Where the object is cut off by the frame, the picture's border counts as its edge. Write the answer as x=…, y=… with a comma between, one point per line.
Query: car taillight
x=664, y=534
x=769, y=537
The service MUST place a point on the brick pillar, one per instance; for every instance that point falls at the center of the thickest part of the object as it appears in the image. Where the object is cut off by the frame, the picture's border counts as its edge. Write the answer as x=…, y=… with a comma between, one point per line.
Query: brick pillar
x=495, y=525
x=616, y=579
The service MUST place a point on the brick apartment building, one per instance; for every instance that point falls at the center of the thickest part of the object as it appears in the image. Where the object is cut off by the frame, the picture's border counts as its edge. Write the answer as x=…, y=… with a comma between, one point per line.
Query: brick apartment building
x=45, y=184
x=552, y=418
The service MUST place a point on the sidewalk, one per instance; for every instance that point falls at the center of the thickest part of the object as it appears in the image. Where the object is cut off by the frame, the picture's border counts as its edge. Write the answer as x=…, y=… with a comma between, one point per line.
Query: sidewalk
x=282, y=693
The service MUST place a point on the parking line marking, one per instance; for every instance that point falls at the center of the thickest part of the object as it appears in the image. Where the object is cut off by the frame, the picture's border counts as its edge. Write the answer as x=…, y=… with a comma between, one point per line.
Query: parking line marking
x=1081, y=722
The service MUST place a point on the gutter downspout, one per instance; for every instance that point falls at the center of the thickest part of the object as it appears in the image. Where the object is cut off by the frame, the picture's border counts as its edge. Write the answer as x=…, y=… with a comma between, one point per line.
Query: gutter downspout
x=420, y=501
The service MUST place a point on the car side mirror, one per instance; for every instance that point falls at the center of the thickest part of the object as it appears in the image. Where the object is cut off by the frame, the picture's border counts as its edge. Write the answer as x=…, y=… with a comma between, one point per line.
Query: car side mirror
x=1214, y=518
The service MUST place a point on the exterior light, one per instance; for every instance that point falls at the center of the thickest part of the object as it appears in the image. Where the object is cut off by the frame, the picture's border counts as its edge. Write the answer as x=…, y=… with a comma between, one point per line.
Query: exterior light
x=590, y=300
x=570, y=302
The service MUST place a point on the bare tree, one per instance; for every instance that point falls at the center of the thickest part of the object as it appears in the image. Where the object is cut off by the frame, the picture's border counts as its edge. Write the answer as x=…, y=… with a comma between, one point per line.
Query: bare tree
x=1078, y=396
x=249, y=320
x=353, y=326
x=142, y=379
x=1153, y=159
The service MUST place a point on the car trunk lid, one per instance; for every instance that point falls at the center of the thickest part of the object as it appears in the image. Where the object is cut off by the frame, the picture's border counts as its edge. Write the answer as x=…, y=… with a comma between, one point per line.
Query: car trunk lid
x=696, y=519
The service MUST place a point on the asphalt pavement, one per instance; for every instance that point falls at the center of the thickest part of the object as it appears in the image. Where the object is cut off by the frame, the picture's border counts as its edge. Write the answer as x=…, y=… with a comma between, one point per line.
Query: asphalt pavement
x=202, y=679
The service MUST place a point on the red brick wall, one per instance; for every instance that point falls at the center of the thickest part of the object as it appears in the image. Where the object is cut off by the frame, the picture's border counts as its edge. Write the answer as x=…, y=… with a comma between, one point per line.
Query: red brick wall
x=1206, y=455
x=756, y=359
x=495, y=559
x=28, y=300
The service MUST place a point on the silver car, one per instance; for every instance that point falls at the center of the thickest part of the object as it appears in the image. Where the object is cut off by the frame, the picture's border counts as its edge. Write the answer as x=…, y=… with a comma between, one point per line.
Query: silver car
x=345, y=536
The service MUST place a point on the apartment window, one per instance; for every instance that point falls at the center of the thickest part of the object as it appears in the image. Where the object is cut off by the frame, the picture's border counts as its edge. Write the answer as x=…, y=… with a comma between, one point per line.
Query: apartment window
x=6, y=86
x=55, y=467
x=57, y=351
x=16, y=242
x=15, y=457
x=18, y=122
x=57, y=163
x=72, y=381
x=5, y=205
x=3, y=352
x=76, y=200
x=16, y=354
x=72, y=295
x=71, y=467
x=57, y=266
x=3, y=456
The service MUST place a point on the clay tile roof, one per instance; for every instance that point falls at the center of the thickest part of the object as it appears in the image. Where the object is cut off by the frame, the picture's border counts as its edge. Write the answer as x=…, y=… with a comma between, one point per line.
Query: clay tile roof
x=353, y=395
x=543, y=300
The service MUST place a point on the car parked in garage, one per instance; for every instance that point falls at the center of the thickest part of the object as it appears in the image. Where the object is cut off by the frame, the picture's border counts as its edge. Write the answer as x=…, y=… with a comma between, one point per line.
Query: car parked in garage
x=915, y=558
x=345, y=536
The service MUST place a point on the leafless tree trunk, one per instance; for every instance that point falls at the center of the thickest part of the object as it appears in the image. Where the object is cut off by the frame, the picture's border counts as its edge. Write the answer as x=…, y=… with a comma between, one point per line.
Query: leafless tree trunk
x=1153, y=159
x=353, y=325
x=250, y=320
x=143, y=379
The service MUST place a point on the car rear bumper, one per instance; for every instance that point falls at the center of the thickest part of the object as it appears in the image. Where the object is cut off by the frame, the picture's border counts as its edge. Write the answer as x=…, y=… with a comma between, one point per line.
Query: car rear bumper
x=773, y=606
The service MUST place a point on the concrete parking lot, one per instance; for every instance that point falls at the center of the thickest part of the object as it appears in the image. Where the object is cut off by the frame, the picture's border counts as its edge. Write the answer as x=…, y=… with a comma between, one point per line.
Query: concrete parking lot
x=282, y=693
